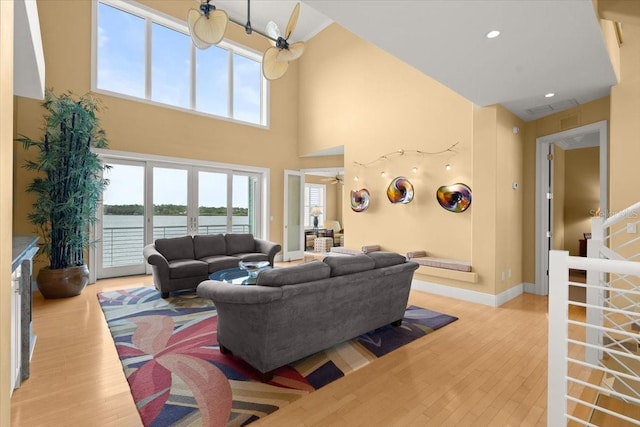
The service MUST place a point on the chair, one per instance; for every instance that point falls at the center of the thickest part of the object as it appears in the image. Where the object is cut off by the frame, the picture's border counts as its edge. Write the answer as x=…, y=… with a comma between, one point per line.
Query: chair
x=338, y=232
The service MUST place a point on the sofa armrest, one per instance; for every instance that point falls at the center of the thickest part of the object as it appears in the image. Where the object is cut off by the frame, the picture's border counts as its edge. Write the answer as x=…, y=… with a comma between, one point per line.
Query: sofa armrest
x=268, y=248
x=154, y=257
x=228, y=293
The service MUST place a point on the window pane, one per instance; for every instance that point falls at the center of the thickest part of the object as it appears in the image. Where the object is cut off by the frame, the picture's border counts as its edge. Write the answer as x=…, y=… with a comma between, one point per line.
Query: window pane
x=212, y=202
x=170, y=66
x=247, y=80
x=123, y=216
x=212, y=81
x=169, y=203
x=121, y=41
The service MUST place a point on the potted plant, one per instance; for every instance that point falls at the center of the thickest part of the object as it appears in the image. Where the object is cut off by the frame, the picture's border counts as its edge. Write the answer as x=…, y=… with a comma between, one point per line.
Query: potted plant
x=67, y=189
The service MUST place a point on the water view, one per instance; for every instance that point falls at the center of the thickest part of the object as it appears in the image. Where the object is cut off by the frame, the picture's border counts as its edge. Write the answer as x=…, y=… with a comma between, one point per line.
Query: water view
x=123, y=235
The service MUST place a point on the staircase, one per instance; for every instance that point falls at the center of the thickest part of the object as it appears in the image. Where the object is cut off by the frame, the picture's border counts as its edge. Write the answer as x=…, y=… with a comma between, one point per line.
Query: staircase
x=594, y=357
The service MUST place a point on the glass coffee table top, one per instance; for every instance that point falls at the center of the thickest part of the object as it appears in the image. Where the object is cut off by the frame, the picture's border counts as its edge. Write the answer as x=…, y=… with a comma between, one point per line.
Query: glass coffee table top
x=236, y=276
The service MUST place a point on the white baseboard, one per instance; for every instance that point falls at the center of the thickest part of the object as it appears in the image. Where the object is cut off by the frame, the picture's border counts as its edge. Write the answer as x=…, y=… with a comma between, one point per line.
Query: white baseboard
x=468, y=295
x=530, y=288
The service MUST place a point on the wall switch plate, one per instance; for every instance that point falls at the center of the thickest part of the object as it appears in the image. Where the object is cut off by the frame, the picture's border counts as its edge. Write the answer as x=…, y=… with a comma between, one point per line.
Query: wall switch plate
x=503, y=275
x=632, y=228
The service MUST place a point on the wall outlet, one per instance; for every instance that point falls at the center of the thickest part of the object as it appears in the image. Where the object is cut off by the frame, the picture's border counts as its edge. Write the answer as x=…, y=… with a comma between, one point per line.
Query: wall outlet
x=503, y=276
x=632, y=228
x=509, y=273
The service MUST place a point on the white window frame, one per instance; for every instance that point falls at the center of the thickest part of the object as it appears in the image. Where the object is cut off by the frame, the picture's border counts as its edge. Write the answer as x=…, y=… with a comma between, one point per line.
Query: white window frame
x=154, y=16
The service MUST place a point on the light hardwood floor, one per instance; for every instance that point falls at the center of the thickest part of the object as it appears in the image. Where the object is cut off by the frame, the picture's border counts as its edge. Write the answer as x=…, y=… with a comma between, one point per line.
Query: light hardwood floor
x=488, y=368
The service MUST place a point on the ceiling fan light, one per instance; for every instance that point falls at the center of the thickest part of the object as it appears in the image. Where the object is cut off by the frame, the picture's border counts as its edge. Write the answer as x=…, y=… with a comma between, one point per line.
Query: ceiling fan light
x=211, y=30
x=272, y=31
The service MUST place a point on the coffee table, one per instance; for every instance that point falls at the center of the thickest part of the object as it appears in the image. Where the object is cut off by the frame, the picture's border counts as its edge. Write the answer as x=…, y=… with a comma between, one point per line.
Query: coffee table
x=236, y=276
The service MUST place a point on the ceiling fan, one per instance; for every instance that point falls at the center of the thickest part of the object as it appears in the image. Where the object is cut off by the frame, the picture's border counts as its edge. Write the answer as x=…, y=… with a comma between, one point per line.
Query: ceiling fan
x=207, y=26
x=338, y=179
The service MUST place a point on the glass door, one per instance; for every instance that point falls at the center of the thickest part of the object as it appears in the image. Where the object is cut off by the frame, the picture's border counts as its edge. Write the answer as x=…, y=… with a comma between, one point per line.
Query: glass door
x=245, y=202
x=121, y=231
x=170, y=203
x=293, y=247
x=212, y=202
x=150, y=200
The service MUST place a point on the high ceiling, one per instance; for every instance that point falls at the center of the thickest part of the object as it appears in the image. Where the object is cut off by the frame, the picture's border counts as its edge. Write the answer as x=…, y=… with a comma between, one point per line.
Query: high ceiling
x=544, y=46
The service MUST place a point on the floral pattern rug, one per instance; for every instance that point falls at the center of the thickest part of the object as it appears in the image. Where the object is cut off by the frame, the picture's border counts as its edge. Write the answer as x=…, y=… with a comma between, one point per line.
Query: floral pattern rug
x=177, y=375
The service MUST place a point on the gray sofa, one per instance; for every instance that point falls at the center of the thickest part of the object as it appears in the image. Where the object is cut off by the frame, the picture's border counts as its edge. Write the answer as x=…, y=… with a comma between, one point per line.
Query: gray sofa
x=183, y=262
x=294, y=312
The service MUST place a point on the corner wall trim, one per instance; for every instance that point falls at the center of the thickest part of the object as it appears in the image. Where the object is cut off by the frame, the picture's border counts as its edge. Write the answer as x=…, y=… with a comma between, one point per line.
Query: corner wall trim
x=468, y=295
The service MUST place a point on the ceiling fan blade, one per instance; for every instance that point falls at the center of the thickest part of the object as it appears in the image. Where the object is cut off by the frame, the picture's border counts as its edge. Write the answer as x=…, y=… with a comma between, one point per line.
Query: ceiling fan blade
x=294, y=52
x=293, y=20
x=272, y=69
x=211, y=30
x=273, y=31
x=192, y=16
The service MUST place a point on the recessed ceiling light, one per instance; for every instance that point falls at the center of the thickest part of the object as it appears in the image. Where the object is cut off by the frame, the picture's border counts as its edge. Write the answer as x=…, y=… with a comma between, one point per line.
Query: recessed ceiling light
x=492, y=34
x=549, y=95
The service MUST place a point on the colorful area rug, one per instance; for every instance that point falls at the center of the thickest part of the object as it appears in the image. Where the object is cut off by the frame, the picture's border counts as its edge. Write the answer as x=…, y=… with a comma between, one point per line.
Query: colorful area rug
x=177, y=375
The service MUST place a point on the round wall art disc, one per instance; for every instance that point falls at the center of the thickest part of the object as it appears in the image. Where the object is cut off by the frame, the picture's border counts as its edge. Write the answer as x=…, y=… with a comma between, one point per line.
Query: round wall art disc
x=455, y=197
x=400, y=190
x=360, y=200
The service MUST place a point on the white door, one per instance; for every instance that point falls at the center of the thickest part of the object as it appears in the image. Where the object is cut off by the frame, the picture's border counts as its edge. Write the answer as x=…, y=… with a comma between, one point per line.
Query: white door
x=293, y=246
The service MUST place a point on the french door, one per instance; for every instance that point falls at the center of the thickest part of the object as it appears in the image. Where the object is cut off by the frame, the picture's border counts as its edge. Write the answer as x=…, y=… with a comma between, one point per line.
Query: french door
x=293, y=246
x=146, y=201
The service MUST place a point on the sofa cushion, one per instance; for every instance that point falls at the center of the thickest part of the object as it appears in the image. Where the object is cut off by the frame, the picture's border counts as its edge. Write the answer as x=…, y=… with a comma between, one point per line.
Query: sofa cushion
x=343, y=265
x=220, y=262
x=176, y=248
x=386, y=259
x=208, y=245
x=308, y=272
x=182, y=268
x=240, y=243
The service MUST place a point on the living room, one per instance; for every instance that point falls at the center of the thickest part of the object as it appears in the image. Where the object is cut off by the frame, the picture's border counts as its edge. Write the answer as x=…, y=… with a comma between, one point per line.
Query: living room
x=331, y=97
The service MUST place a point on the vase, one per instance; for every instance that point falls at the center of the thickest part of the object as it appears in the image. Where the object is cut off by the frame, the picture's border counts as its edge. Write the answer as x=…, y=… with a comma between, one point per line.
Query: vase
x=62, y=282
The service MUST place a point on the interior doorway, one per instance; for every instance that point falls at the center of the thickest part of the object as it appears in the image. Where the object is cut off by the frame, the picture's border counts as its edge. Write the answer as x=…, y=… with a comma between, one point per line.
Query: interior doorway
x=547, y=212
x=329, y=183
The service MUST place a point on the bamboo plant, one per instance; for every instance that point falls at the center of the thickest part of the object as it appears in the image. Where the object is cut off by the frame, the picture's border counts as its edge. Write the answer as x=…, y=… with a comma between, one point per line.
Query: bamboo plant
x=70, y=179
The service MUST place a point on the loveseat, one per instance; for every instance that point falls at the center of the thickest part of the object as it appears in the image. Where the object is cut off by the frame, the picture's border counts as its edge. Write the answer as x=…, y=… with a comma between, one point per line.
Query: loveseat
x=294, y=312
x=183, y=262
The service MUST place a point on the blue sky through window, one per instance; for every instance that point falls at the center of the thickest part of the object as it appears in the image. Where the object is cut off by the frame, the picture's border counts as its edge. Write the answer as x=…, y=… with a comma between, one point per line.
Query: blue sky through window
x=120, y=51
x=170, y=66
x=247, y=81
x=212, y=81
x=121, y=69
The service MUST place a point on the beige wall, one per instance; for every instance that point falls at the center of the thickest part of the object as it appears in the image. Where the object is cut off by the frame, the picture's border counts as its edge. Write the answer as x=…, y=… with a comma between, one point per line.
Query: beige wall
x=509, y=201
x=145, y=128
x=582, y=190
x=373, y=104
x=559, y=201
x=625, y=126
x=6, y=167
x=581, y=115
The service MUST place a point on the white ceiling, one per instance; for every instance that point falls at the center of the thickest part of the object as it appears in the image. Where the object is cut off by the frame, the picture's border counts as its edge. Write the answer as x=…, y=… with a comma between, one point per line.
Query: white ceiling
x=544, y=46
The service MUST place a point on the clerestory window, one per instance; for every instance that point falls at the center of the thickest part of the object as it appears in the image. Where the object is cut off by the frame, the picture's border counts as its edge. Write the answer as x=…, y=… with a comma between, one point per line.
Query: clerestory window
x=143, y=54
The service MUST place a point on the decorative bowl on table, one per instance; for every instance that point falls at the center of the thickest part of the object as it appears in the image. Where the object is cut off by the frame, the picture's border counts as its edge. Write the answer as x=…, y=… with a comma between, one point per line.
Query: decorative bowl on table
x=253, y=267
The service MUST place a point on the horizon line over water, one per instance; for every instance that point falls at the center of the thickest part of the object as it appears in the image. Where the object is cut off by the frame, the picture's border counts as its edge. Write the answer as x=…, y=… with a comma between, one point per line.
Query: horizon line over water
x=118, y=221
